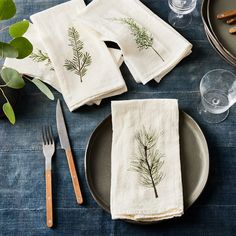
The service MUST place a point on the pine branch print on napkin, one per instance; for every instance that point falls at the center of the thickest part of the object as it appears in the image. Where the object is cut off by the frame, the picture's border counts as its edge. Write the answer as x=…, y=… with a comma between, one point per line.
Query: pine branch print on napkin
x=148, y=161
x=81, y=60
x=40, y=56
x=143, y=38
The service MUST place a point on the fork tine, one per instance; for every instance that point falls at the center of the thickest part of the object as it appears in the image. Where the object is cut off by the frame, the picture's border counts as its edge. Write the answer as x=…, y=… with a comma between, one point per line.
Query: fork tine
x=50, y=134
x=46, y=132
x=44, y=135
x=47, y=135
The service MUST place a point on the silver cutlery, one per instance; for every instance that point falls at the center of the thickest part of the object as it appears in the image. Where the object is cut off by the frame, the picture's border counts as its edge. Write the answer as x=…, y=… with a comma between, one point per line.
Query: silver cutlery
x=65, y=144
x=48, y=151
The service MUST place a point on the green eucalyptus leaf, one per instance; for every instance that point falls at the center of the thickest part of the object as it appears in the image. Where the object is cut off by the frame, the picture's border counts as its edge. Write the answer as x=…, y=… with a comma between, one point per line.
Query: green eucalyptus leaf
x=7, y=9
x=18, y=29
x=23, y=46
x=9, y=112
x=12, y=78
x=6, y=50
x=43, y=88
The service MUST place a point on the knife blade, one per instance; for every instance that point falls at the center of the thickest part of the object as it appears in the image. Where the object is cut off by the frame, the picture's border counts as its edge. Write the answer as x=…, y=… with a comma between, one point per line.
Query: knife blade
x=65, y=144
x=61, y=128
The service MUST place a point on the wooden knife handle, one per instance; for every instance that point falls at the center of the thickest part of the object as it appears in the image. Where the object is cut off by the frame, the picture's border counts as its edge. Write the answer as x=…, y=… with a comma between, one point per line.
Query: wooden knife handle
x=74, y=177
x=49, y=207
x=226, y=14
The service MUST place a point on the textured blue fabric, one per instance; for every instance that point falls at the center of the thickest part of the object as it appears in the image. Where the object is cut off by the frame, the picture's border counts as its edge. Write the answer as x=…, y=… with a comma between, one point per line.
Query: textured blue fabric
x=22, y=184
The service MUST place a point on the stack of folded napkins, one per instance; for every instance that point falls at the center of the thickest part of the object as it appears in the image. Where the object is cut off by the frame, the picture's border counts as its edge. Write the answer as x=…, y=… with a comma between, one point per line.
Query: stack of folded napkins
x=150, y=46
x=71, y=57
x=146, y=182
x=70, y=53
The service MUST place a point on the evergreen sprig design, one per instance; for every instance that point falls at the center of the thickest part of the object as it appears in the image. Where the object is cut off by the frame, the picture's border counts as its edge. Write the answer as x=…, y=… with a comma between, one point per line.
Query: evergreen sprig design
x=81, y=60
x=148, y=159
x=143, y=38
x=40, y=56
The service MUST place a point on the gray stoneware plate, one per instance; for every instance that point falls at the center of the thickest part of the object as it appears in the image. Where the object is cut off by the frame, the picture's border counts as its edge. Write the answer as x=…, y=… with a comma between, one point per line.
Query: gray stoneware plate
x=212, y=38
x=219, y=28
x=194, y=161
x=220, y=51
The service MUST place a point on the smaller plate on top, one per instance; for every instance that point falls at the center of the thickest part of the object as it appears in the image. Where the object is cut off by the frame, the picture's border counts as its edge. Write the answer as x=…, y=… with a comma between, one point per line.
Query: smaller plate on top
x=219, y=27
x=194, y=162
x=218, y=49
x=211, y=35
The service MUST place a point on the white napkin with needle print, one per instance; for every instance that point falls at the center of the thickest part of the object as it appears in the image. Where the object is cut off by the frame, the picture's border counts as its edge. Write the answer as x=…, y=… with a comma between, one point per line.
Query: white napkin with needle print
x=39, y=64
x=151, y=47
x=146, y=182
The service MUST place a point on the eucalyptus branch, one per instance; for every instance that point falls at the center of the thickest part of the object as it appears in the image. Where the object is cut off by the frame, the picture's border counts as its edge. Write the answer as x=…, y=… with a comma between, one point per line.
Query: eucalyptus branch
x=27, y=77
x=4, y=95
x=4, y=85
x=4, y=28
x=19, y=47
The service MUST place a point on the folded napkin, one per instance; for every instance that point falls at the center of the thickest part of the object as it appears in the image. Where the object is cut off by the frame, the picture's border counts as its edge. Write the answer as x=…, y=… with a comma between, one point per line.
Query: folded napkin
x=146, y=180
x=39, y=65
x=85, y=70
x=151, y=47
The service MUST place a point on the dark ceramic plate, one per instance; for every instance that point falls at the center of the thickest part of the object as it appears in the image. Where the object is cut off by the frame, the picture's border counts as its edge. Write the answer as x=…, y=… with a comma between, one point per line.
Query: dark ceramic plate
x=219, y=27
x=218, y=49
x=194, y=161
x=212, y=37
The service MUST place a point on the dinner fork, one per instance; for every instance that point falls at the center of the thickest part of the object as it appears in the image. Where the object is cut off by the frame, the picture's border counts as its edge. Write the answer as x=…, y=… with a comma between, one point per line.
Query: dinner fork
x=48, y=151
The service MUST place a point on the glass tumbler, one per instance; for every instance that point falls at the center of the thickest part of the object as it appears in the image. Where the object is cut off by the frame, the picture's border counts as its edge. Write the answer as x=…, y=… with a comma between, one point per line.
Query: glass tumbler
x=180, y=15
x=218, y=94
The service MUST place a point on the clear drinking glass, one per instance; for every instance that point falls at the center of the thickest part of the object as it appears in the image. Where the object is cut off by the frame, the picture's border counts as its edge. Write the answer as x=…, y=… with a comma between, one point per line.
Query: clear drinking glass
x=179, y=17
x=218, y=94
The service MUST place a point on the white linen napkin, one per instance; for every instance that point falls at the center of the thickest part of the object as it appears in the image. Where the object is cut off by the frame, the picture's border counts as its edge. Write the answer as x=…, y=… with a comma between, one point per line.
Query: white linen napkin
x=151, y=47
x=146, y=182
x=46, y=70
x=39, y=65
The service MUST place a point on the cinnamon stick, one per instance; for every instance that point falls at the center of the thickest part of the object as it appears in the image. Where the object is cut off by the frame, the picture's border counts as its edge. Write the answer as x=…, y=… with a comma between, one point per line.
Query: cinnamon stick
x=226, y=14
x=231, y=21
x=232, y=30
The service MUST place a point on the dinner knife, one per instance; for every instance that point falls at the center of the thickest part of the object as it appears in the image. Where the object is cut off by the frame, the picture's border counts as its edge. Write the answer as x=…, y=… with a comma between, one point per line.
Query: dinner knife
x=65, y=144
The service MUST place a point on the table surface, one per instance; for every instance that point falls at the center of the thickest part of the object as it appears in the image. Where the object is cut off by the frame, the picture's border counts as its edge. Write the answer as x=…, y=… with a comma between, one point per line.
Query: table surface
x=22, y=184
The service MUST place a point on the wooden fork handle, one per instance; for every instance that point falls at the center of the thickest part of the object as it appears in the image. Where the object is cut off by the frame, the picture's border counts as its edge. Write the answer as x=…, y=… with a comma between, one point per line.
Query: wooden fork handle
x=49, y=207
x=74, y=177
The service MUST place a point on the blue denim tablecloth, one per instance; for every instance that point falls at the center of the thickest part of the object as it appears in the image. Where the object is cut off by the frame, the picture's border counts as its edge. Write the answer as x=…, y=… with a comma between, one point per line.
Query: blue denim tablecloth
x=22, y=184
